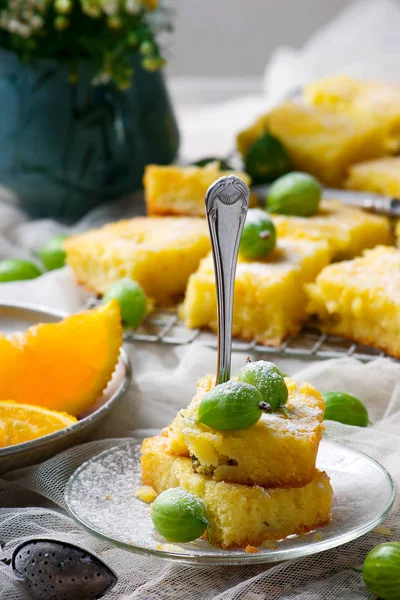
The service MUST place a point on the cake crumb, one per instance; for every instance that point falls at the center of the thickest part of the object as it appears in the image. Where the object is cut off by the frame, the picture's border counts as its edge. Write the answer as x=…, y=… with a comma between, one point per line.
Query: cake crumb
x=107, y=497
x=269, y=545
x=251, y=549
x=383, y=530
x=171, y=548
x=317, y=537
x=146, y=493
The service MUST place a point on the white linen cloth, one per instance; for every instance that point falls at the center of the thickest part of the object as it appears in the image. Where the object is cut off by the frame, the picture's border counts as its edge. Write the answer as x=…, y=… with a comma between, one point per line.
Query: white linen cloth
x=31, y=500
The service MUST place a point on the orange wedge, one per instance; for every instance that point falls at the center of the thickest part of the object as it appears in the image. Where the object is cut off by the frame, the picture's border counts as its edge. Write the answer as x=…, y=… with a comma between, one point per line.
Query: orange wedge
x=23, y=422
x=62, y=366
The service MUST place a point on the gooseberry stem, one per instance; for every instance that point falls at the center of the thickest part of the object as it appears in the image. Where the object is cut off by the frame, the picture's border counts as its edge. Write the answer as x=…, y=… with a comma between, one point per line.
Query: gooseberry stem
x=265, y=407
x=264, y=235
x=284, y=410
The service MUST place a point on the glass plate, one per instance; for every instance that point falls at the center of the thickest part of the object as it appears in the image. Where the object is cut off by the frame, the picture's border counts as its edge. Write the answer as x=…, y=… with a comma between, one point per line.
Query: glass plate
x=100, y=496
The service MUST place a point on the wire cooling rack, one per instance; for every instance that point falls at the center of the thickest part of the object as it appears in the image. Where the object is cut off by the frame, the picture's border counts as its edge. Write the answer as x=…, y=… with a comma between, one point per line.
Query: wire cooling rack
x=164, y=327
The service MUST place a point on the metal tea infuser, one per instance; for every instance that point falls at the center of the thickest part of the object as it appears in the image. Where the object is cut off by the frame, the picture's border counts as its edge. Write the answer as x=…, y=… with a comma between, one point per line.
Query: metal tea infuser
x=56, y=570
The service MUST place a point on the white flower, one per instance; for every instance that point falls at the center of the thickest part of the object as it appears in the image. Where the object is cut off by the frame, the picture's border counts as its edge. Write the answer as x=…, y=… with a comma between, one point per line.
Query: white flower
x=24, y=31
x=101, y=79
x=63, y=6
x=110, y=7
x=132, y=7
x=13, y=26
x=37, y=22
x=91, y=7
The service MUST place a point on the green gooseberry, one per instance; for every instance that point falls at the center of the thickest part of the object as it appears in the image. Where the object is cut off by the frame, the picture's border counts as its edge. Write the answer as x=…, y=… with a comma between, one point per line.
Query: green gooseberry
x=345, y=408
x=296, y=194
x=131, y=298
x=258, y=237
x=179, y=516
x=52, y=254
x=381, y=571
x=15, y=269
x=233, y=405
x=269, y=381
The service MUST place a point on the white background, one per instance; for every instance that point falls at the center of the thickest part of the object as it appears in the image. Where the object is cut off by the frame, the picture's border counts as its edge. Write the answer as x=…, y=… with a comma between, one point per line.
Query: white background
x=234, y=38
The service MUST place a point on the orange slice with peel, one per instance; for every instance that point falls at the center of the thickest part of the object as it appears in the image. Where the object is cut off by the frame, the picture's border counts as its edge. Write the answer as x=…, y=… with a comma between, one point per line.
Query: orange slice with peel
x=24, y=422
x=62, y=366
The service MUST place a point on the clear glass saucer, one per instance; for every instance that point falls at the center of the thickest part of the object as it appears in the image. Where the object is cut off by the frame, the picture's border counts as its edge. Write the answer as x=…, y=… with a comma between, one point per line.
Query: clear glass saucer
x=100, y=496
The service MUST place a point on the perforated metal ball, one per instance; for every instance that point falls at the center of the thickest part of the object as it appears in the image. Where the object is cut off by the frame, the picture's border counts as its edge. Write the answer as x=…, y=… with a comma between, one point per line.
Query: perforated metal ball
x=53, y=570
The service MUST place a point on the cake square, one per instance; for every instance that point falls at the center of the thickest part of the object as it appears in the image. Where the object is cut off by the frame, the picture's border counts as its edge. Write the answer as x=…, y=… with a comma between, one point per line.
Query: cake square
x=240, y=515
x=360, y=299
x=180, y=190
x=361, y=98
x=325, y=143
x=347, y=229
x=278, y=451
x=159, y=253
x=381, y=176
x=270, y=300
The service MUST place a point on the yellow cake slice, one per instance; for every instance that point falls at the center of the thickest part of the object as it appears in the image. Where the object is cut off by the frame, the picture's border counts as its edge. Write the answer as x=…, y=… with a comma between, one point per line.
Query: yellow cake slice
x=240, y=515
x=280, y=450
x=347, y=229
x=380, y=176
x=270, y=300
x=159, y=253
x=372, y=99
x=334, y=92
x=325, y=144
x=360, y=299
x=318, y=142
x=180, y=190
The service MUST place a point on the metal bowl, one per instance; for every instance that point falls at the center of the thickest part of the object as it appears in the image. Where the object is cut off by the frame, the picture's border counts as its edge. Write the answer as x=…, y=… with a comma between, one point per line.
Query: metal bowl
x=18, y=317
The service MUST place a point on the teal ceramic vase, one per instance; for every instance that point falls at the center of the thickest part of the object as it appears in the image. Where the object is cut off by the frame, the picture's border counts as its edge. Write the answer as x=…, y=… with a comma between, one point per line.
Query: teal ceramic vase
x=69, y=147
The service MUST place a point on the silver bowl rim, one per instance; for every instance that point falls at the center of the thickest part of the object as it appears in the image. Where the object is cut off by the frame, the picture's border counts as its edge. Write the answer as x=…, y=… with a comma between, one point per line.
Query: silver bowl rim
x=85, y=421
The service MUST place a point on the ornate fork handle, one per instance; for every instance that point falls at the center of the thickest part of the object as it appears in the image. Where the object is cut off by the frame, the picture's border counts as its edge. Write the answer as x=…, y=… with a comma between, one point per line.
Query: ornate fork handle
x=227, y=202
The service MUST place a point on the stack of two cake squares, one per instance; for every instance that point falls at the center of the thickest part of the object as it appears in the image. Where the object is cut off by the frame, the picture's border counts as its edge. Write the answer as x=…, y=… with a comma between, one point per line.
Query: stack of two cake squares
x=259, y=484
